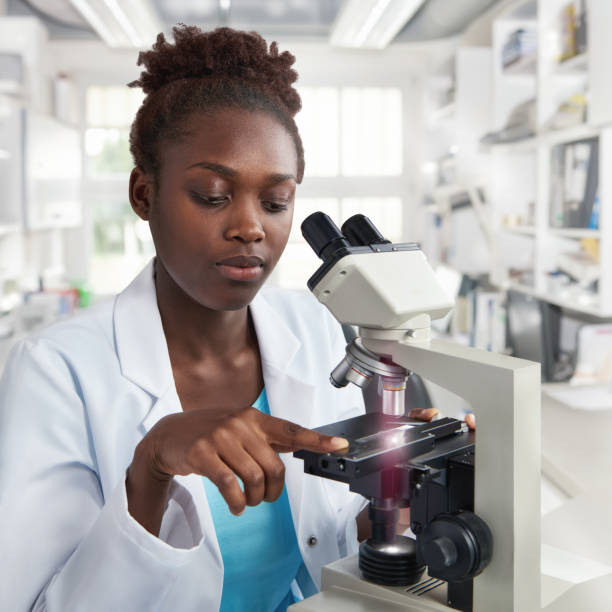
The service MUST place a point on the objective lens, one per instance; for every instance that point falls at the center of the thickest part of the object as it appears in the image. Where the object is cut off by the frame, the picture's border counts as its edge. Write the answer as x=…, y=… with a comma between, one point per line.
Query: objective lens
x=338, y=377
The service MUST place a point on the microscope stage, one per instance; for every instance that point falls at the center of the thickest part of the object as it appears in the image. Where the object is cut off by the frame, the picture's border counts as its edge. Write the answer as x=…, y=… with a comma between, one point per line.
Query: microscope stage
x=377, y=441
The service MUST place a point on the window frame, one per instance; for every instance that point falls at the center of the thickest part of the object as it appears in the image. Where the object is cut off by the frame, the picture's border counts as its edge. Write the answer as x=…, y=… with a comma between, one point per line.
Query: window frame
x=115, y=187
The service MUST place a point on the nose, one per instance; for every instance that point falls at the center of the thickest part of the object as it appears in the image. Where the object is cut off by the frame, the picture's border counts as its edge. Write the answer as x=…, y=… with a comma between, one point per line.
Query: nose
x=245, y=222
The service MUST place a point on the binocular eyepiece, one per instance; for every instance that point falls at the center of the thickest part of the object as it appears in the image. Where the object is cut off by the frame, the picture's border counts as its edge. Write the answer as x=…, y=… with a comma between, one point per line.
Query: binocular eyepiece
x=325, y=238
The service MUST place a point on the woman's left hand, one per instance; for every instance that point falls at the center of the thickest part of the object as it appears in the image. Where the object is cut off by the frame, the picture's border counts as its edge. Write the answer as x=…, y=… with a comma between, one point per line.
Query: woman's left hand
x=423, y=414
x=427, y=414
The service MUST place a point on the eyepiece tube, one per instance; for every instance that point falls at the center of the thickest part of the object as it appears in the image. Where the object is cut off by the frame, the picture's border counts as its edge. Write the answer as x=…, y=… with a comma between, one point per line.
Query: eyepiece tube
x=323, y=235
x=360, y=231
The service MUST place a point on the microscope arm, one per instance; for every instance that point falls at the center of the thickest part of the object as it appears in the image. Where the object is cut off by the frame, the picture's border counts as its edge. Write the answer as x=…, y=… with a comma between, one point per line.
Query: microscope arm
x=504, y=394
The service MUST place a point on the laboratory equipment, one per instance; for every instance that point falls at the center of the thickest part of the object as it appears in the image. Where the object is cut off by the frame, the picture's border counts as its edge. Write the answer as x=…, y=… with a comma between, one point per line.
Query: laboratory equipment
x=478, y=532
x=534, y=329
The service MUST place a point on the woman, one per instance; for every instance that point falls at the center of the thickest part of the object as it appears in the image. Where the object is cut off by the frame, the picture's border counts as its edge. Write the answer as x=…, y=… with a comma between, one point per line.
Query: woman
x=124, y=431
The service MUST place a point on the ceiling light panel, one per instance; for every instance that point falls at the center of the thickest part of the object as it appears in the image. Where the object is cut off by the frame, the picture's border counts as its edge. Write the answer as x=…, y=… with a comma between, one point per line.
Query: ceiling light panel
x=372, y=24
x=121, y=24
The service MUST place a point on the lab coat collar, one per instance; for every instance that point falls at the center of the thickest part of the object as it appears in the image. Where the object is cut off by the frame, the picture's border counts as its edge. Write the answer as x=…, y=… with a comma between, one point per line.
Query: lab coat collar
x=278, y=345
x=143, y=351
x=139, y=335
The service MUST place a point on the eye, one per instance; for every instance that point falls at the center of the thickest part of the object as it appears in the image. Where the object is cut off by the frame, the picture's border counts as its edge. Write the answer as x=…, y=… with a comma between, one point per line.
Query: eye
x=276, y=205
x=209, y=200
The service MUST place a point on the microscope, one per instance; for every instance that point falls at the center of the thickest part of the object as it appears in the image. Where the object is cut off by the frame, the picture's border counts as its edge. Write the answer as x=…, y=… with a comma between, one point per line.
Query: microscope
x=473, y=497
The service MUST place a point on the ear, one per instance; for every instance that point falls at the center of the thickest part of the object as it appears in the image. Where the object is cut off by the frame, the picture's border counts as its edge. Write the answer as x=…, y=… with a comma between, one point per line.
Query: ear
x=142, y=192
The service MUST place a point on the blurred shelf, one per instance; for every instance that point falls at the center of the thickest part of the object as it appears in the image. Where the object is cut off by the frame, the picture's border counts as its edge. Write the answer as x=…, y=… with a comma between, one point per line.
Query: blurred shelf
x=549, y=137
x=9, y=229
x=525, y=230
x=574, y=232
x=55, y=225
x=576, y=132
x=587, y=305
x=576, y=64
x=525, y=66
x=443, y=193
x=443, y=113
x=526, y=145
x=520, y=9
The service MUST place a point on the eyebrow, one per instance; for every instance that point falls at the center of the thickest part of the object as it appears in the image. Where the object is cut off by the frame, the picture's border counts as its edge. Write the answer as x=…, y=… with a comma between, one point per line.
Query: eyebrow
x=231, y=173
x=217, y=168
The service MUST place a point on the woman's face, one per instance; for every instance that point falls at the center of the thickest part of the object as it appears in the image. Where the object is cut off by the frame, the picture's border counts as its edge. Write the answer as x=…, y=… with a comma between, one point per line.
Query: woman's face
x=222, y=208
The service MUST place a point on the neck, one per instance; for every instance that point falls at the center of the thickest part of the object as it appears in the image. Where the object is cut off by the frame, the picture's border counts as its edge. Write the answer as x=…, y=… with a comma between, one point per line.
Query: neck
x=195, y=332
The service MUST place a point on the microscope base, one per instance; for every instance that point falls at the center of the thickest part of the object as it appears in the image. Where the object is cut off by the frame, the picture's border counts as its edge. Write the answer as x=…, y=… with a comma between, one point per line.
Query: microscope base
x=344, y=589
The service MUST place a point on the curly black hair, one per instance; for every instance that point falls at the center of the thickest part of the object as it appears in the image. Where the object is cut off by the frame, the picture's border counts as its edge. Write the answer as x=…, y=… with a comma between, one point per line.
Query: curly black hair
x=205, y=71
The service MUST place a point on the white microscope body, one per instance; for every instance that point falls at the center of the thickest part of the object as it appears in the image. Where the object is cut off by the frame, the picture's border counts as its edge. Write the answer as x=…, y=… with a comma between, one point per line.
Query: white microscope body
x=391, y=294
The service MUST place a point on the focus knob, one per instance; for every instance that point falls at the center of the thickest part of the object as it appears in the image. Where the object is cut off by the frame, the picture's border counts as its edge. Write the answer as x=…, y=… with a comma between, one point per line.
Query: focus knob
x=440, y=553
x=455, y=546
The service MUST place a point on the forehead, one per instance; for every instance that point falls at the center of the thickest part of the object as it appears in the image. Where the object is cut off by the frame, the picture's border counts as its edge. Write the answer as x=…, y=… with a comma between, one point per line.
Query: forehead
x=247, y=141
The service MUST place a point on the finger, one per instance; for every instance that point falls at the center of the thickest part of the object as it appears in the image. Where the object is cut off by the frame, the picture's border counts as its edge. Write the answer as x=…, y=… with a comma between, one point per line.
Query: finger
x=249, y=471
x=424, y=414
x=470, y=420
x=225, y=480
x=273, y=469
x=295, y=437
x=279, y=448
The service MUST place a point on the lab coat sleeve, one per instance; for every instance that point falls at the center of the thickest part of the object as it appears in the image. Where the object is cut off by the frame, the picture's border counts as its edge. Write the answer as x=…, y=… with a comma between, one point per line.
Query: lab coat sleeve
x=64, y=547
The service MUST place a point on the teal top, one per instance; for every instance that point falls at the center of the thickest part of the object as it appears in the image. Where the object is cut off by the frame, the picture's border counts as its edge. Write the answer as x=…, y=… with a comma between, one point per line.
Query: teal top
x=260, y=552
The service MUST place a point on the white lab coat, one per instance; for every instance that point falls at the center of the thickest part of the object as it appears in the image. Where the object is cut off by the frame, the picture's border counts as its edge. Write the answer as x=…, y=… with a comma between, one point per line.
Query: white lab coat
x=74, y=402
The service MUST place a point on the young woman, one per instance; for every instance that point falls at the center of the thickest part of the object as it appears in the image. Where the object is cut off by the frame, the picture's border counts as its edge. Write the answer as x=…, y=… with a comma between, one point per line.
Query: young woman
x=139, y=440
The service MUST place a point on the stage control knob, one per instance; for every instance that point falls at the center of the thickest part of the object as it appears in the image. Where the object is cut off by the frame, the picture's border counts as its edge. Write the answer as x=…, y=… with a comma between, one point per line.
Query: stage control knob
x=440, y=553
x=455, y=546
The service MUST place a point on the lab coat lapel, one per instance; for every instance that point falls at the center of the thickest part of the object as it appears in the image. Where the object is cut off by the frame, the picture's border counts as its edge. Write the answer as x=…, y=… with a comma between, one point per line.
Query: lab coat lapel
x=139, y=336
x=144, y=359
x=289, y=395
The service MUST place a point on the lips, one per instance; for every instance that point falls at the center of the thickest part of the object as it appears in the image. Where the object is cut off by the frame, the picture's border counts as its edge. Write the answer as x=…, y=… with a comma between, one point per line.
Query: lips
x=242, y=261
x=241, y=267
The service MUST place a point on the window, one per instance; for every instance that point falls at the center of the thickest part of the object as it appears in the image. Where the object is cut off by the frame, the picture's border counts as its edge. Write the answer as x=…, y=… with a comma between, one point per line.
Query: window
x=110, y=112
x=351, y=131
x=353, y=145
x=122, y=243
x=108, y=151
x=320, y=130
x=371, y=120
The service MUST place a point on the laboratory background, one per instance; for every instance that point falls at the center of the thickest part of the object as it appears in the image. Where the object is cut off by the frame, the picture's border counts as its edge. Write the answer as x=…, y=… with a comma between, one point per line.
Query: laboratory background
x=480, y=129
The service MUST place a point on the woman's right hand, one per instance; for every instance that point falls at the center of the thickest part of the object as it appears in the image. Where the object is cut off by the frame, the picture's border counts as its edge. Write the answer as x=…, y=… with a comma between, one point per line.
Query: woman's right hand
x=221, y=447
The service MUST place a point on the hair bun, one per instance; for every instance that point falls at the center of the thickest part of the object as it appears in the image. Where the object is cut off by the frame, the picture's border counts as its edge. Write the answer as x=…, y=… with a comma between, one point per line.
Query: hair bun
x=221, y=54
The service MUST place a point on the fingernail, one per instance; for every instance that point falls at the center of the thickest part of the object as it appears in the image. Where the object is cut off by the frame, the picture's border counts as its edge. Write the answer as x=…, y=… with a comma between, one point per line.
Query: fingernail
x=338, y=443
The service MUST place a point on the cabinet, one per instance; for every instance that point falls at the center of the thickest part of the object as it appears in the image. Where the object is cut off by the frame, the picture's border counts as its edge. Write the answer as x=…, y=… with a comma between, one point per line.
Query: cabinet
x=457, y=105
x=40, y=165
x=11, y=187
x=52, y=167
x=549, y=192
x=549, y=198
